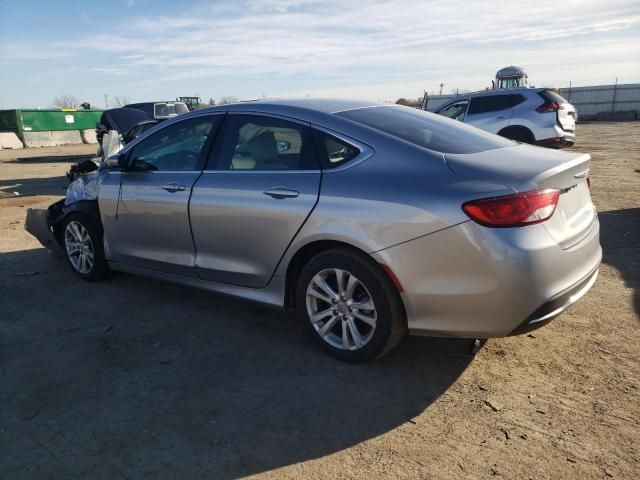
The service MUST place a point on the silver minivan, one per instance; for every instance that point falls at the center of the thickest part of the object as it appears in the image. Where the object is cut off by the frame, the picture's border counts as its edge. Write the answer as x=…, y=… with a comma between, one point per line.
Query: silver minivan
x=537, y=116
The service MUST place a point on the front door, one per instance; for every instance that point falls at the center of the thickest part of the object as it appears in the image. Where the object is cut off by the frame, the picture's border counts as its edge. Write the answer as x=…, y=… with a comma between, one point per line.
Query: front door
x=259, y=188
x=150, y=225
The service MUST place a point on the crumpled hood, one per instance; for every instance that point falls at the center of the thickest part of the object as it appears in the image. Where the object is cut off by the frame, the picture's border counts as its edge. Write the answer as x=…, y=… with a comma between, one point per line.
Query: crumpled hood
x=521, y=167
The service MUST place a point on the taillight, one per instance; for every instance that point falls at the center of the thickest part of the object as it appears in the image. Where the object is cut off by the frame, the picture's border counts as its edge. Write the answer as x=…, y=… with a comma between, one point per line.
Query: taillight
x=548, y=107
x=515, y=210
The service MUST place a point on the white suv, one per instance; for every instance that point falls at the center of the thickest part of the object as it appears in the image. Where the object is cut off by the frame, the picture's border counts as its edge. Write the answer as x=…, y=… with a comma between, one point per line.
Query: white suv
x=530, y=115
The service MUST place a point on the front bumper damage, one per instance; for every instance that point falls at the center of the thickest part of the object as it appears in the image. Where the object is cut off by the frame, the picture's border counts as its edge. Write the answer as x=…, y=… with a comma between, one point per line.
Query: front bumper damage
x=40, y=223
x=81, y=196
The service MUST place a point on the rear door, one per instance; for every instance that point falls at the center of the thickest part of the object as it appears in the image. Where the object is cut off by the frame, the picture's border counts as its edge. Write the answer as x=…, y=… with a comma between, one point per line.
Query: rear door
x=149, y=227
x=492, y=112
x=259, y=187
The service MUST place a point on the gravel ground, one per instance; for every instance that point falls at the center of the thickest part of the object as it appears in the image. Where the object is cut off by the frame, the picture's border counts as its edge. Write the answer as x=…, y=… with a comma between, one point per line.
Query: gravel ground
x=132, y=378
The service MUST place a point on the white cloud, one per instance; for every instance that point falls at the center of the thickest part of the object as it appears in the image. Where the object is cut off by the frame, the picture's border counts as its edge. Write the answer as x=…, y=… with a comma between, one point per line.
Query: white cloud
x=366, y=46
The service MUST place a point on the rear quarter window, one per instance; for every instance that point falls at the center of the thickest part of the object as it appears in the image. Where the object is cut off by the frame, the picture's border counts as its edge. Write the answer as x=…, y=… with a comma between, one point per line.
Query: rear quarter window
x=552, y=96
x=427, y=130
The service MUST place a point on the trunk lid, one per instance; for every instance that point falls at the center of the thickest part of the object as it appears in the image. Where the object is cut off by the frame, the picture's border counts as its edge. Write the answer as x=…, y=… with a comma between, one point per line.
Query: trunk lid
x=526, y=168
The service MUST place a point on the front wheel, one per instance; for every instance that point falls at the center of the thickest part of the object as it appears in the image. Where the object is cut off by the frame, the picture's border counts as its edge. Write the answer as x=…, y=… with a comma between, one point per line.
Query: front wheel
x=82, y=242
x=350, y=305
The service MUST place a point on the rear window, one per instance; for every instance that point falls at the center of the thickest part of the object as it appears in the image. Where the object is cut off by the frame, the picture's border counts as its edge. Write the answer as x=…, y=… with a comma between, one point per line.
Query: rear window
x=426, y=130
x=170, y=109
x=552, y=96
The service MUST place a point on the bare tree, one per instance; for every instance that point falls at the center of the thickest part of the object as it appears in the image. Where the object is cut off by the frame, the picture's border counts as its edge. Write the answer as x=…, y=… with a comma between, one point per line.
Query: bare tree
x=120, y=101
x=225, y=100
x=65, y=101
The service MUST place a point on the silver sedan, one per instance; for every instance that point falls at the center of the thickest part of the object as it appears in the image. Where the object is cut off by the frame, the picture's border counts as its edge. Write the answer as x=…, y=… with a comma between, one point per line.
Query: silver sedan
x=369, y=220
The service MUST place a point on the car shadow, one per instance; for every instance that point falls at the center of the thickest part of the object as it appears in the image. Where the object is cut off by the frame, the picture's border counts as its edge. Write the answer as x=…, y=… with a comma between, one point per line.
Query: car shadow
x=620, y=239
x=25, y=187
x=52, y=159
x=133, y=378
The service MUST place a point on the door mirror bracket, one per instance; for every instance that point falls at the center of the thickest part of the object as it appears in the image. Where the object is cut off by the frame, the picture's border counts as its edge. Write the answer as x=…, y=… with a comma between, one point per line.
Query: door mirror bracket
x=118, y=162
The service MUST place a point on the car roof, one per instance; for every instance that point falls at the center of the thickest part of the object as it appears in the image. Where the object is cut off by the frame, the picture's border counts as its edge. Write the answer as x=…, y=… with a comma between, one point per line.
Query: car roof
x=506, y=91
x=300, y=107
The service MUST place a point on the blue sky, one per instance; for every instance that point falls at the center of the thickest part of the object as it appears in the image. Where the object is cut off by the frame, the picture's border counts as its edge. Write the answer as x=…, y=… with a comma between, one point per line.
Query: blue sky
x=380, y=50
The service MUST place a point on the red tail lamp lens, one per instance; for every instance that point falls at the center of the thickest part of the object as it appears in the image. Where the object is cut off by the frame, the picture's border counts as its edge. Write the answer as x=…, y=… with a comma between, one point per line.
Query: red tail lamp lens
x=515, y=210
x=548, y=107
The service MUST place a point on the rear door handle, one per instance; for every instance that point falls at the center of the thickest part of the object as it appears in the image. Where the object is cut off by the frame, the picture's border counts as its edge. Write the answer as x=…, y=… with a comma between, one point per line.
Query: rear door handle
x=281, y=192
x=174, y=187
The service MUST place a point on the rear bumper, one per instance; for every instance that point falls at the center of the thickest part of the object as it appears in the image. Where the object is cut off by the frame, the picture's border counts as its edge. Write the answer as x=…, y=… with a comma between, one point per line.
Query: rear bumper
x=476, y=282
x=557, y=305
x=557, y=138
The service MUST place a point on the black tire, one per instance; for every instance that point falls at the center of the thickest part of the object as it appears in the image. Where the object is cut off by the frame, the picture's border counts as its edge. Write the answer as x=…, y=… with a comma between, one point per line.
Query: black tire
x=390, y=325
x=100, y=269
x=518, y=134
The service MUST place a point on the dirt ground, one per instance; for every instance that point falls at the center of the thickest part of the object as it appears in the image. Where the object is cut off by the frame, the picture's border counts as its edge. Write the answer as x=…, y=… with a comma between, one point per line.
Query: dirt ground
x=132, y=378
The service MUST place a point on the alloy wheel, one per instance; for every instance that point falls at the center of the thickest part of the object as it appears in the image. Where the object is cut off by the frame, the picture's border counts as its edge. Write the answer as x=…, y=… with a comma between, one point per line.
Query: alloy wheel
x=79, y=247
x=341, y=309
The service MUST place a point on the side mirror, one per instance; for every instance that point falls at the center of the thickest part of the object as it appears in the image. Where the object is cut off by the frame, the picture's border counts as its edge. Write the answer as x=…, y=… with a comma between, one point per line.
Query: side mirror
x=118, y=161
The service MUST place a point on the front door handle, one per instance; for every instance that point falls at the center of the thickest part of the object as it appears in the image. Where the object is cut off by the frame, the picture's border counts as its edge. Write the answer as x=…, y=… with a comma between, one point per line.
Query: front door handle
x=501, y=115
x=174, y=187
x=281, y=192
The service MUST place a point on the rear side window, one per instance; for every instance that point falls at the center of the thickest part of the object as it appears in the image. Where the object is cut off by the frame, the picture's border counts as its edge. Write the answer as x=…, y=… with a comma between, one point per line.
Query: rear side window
x=332, y=151
x=493, y=103
x=259, y=143
x=427, y=130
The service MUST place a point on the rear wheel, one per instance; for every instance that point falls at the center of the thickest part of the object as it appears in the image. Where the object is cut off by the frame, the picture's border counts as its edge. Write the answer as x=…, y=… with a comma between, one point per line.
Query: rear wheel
x=82, y=241
x=350, y=306
x=518, y=134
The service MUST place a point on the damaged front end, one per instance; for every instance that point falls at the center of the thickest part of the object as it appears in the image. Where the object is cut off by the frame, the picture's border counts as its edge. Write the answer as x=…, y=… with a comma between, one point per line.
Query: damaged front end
x=81, y=196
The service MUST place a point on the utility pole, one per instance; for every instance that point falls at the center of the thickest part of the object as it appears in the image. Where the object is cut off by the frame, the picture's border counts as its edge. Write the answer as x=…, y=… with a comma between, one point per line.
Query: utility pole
x=613, y=103
x=106, y=101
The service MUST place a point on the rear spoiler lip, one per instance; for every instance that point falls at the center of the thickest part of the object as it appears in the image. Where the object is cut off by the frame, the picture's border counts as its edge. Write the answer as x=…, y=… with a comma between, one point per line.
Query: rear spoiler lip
x=578, y=162
x=580, y=159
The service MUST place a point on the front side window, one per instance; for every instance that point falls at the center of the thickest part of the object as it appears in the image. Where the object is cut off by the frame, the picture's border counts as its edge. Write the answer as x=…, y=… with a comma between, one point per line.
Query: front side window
x=333, y=151
x=455, y=111
x=253, y=142
x=177, y=147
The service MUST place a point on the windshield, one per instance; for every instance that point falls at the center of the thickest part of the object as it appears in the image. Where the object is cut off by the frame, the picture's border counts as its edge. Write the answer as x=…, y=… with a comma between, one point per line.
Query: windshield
x=427, y=130
x=170, y=109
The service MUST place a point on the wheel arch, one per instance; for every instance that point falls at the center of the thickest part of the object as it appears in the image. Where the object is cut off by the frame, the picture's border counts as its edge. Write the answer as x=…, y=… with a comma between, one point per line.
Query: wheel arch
x=302, y=256
x=88, y=208
x=526, y=131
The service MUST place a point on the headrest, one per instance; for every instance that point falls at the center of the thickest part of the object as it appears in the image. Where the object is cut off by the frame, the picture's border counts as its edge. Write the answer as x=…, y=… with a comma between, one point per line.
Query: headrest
x=263, y=147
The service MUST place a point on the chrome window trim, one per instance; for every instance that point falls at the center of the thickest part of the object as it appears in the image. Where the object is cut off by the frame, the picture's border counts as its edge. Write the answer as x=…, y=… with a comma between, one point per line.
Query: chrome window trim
x=247, y=170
